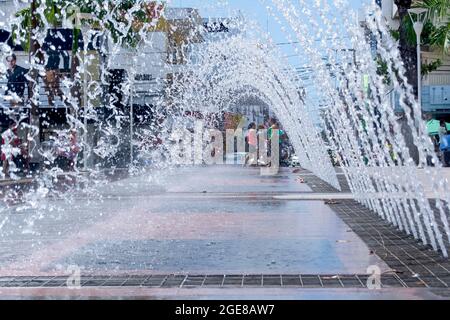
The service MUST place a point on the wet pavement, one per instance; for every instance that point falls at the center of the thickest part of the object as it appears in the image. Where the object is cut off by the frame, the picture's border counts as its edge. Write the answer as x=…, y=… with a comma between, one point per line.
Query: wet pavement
x=211, y=220
x=186, y=223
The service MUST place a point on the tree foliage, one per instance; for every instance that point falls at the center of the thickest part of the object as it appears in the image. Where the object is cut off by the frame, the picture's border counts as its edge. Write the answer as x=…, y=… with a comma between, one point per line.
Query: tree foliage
x=438, y=35
x=124, y=19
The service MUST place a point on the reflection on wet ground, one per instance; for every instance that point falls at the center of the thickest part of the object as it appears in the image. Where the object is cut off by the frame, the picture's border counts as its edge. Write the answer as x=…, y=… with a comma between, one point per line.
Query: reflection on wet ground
x=142, y=224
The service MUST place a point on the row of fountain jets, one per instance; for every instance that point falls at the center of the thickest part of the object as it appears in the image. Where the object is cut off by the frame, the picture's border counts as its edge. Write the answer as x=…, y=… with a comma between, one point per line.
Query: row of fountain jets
x=358, y=122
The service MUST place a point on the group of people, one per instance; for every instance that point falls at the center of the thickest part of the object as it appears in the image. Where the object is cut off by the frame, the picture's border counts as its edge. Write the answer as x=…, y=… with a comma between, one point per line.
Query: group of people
x=15, y=156
x=18, y=80
x=14, y=152
x=261, y=136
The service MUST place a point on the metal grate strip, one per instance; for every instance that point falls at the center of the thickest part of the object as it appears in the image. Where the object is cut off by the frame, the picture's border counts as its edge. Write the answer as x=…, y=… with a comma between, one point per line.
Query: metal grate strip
x=221, y=281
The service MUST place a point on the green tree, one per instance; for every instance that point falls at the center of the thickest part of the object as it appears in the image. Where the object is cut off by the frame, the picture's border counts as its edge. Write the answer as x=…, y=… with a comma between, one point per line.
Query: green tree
x=109, y=16
x=407, y=49
x=436, y=34
x=439, y=11
x=433, y=35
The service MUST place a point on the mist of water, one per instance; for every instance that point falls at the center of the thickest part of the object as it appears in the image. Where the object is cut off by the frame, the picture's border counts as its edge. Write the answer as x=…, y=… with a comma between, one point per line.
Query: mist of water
x=212, y=73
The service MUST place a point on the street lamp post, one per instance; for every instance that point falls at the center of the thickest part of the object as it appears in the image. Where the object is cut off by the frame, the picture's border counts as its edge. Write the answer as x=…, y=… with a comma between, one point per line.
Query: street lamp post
x=418, y=16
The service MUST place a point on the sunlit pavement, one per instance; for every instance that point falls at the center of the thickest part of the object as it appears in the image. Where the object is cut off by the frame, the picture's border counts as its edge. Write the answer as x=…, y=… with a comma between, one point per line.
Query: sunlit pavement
x=220, y=294
x=215, y=220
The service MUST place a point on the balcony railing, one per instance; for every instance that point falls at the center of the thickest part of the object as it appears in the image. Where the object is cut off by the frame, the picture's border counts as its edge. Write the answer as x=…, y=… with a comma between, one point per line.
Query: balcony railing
x=143, y=92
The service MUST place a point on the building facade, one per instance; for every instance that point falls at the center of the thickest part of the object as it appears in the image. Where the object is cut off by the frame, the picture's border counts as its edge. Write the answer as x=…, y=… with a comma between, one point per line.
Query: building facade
x=436, y=84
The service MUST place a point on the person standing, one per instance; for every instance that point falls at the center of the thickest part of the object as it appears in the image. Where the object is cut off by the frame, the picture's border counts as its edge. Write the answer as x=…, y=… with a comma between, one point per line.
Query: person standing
x=252, y=143
x=11, y=148
x=262, y=144
x=69, y=150
x=442, y=130
x=280, y=136
x=53, y=77
x=272, y=125
x=17, y=81
x=444, y=141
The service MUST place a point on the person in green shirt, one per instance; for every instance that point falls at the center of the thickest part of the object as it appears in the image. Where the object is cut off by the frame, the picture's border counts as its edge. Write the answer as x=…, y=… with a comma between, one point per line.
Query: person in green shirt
x=281, y=134
x=274, y=126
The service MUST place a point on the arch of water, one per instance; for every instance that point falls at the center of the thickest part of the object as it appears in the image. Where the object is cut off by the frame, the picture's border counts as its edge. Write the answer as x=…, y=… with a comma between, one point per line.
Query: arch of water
x=359, y=120
x=237, y=63
x=385, y=179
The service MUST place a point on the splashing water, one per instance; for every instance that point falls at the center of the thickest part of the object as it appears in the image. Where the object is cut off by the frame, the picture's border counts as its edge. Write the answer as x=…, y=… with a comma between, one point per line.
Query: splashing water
x=125, y=55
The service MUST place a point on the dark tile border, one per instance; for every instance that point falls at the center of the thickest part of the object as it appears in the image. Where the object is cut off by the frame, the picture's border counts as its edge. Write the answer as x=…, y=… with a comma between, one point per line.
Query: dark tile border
x=210, y=281
x=413, y=262
x=319, y=186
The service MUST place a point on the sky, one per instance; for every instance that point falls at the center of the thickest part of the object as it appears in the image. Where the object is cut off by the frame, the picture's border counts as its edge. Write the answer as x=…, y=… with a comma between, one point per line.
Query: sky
x=255, y=10
x=251, y=8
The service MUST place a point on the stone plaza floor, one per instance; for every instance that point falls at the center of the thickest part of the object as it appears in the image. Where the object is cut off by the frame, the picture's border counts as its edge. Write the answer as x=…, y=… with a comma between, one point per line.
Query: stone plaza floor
x=218, y=232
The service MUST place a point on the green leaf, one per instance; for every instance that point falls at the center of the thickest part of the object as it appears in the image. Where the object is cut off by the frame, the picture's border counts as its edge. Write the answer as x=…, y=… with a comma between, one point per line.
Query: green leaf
x=440, y=38
x=430, y=67
x=410, y=33
x=438, y=9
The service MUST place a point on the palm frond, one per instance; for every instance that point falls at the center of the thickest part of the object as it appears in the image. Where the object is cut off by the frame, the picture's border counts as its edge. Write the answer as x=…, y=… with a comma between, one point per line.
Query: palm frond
x=410, y=33
x=440, y=38
x=438, y=9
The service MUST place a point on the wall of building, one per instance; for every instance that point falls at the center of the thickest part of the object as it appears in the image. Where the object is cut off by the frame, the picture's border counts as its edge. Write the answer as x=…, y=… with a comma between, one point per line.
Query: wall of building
x=146, y=64
x=436, y=85
x=389, y=8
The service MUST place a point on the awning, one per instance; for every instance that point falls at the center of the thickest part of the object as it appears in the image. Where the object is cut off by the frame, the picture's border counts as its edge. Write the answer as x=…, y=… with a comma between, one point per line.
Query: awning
x=434, y=125
x=60, y=38
x=5, y=37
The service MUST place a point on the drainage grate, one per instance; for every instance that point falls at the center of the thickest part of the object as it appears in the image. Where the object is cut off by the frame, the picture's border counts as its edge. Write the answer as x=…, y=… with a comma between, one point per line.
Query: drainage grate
x=223, y=281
